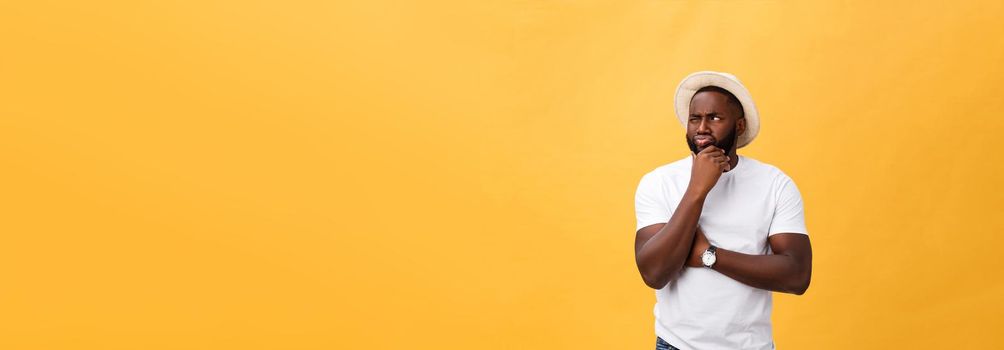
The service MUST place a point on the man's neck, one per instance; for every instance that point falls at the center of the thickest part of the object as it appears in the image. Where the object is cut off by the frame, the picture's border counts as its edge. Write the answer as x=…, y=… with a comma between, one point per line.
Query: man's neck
x=733, y=160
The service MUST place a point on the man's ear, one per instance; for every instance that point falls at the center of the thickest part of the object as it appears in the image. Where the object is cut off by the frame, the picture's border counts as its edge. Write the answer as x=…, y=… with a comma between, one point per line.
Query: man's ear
x=740, y=126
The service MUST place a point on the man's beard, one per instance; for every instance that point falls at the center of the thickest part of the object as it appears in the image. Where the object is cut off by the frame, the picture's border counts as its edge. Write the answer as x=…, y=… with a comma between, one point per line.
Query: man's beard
x=725, y=143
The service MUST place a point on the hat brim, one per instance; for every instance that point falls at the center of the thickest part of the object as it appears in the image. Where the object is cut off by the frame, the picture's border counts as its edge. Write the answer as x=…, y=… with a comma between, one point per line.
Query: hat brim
x=689, y=86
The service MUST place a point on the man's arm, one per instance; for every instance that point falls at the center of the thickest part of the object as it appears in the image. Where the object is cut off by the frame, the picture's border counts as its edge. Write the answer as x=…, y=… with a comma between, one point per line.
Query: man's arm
x=661, y=249
x=787, y=270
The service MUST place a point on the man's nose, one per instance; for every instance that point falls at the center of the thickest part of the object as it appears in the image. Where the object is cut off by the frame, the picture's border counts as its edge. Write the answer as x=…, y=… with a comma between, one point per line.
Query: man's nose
x=702, y=127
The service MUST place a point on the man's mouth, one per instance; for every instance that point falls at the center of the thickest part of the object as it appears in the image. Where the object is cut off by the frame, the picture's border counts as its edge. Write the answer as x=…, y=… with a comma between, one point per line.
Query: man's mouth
x=702, y=141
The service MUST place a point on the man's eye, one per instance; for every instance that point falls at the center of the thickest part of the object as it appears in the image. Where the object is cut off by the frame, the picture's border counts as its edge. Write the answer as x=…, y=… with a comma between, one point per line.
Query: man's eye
x=716, y=118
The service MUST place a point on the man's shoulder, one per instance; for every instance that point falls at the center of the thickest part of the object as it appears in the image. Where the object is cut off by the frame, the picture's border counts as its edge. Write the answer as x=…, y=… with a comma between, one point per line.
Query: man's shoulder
x=671, y=170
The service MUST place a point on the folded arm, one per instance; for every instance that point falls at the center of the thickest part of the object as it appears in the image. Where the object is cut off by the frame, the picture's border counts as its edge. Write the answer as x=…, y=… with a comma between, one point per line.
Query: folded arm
x=787, y=270
x=661, y=249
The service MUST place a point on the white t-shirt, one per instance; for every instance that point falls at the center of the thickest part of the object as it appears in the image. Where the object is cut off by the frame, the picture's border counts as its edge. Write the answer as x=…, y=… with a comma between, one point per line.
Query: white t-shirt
x=702, y=308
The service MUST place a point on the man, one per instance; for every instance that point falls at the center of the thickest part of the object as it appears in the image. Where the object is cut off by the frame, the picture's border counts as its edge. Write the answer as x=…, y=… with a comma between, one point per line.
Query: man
x=717, y=232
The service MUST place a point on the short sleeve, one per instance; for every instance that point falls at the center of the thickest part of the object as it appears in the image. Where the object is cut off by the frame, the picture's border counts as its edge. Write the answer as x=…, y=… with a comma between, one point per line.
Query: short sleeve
x=789, y=215
x=650, y=202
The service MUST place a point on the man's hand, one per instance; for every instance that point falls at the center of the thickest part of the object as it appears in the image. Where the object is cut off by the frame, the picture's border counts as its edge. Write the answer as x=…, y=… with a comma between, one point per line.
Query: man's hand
x=697, y=249
x=708, y=166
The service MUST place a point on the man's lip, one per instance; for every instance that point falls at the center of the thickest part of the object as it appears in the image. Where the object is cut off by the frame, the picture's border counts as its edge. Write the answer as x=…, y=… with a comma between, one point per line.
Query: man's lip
x=702, y=141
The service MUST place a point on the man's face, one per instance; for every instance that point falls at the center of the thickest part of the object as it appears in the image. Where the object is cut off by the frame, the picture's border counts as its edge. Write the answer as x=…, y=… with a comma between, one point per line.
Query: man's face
x=713, y=121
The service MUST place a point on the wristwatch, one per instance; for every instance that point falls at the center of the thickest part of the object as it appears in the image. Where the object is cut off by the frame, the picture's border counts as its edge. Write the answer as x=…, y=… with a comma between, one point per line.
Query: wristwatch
x=708, y=258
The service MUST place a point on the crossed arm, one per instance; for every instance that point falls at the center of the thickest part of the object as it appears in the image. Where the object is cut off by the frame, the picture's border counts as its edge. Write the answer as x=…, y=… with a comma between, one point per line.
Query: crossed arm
x=663, y=250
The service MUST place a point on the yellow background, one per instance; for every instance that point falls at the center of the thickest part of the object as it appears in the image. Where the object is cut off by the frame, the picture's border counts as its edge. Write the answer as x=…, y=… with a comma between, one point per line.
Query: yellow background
x=460, y=174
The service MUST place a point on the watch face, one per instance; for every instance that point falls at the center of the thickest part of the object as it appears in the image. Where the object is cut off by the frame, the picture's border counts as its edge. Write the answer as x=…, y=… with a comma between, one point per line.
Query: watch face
x=708, y=258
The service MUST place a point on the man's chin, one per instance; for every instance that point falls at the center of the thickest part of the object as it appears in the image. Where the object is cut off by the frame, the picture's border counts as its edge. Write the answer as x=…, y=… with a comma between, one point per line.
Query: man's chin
x=701, y=149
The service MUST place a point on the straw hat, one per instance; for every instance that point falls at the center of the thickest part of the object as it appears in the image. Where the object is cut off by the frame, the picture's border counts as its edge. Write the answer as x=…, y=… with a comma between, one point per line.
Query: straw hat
x=693, y=82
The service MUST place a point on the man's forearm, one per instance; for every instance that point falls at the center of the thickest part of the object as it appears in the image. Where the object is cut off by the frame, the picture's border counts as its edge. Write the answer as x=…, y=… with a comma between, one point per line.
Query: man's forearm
x=664, y=255
x=775, y=272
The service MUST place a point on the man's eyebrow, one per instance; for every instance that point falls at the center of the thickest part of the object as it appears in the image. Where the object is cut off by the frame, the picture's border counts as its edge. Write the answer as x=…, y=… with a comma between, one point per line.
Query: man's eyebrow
x=709, y=114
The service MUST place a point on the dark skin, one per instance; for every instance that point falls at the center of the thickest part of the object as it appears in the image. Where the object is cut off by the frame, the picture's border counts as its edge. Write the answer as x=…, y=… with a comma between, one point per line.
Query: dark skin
x=662, y=251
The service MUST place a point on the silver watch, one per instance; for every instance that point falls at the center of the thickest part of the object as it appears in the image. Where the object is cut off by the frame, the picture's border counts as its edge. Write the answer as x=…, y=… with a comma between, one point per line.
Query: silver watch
x=708, y=258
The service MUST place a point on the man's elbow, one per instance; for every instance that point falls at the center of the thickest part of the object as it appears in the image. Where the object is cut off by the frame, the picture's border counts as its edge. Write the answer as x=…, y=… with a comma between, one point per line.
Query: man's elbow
x=799, y=287
x=655, y=280
x=655, y=284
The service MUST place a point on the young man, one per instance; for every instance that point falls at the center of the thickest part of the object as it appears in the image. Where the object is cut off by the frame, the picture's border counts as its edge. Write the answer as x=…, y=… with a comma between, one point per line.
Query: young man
x=717, y=232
